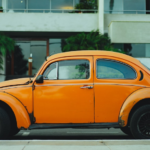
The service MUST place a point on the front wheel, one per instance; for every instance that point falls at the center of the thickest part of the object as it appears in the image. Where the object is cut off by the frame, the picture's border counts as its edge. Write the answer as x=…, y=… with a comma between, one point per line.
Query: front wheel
x=4, y=124
x=140, y=123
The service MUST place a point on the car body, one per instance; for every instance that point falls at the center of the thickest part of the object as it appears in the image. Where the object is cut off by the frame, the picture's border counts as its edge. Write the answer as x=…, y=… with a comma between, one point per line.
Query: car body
x=91, y=89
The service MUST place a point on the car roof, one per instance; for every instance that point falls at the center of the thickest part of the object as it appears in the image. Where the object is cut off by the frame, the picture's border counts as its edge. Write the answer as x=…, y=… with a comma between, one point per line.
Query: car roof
x=99, y=53
x=94, y=53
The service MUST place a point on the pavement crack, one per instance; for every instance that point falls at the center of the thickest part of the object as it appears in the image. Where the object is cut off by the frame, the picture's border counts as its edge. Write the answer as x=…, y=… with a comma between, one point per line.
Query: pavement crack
x=106, y=145
x=25, y=145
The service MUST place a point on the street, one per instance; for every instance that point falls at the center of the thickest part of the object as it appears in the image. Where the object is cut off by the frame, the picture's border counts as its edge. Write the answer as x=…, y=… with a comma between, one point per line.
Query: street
x=71, y=134
x=72, y=139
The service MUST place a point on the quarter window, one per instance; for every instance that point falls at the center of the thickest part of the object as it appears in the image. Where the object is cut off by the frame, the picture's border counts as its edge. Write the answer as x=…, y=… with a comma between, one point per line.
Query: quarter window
x=51, y=72
x=67, y=70
x=108, y=69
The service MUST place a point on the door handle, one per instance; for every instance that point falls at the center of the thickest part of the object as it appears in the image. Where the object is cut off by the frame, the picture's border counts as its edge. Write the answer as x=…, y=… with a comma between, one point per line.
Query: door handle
x=87, y=87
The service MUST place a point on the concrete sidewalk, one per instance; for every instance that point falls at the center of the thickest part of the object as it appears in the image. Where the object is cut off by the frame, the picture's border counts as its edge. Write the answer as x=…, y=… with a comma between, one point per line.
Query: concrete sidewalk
x=75, y=145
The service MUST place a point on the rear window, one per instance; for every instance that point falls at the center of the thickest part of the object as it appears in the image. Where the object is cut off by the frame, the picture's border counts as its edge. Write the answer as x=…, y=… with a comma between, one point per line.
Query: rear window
x=110, y=69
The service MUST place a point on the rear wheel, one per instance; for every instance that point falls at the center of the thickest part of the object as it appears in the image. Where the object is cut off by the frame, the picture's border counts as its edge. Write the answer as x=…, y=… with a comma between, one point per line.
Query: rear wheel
x=14, y=131
x=140, y=123
x=4, y=124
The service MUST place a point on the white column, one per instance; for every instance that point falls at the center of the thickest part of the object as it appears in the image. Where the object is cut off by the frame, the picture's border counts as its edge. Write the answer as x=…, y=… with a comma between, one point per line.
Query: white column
x=101, y=16
x=147, y=50
x=4, y=5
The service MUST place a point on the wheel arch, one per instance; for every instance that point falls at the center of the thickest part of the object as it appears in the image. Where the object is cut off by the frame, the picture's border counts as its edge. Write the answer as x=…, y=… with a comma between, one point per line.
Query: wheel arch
x=138, y=105
x=13, y=105
x=133, y=102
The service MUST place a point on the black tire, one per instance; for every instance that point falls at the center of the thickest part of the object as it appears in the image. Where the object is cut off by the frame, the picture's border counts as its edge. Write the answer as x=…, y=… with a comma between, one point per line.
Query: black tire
x=13, y=131
x=126, y=130
x=140, y=123
x=4, y=124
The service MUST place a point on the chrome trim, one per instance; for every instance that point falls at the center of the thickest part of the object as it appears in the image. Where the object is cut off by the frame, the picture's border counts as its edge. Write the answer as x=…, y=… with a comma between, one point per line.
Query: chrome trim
x=119, y=84
x=86, y=87
x=65, y=84
x=57, y=71
x=88, y=84
x=13, y=87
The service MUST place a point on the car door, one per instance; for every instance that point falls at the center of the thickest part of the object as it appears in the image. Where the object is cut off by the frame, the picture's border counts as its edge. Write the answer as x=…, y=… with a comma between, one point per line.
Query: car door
x=66, y=95
x=114, y=80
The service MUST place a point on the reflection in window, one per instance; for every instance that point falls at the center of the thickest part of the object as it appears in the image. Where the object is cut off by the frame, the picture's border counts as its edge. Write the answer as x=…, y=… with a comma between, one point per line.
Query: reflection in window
x=50, y=72
x=68, y=69
x=62, y=4
x=16, y=5
x=73, y=69
x=107, y=69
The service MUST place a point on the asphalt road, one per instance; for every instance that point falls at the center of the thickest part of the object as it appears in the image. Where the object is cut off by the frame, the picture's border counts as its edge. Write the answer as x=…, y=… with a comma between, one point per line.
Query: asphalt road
x=71, y=134
x=73, y=139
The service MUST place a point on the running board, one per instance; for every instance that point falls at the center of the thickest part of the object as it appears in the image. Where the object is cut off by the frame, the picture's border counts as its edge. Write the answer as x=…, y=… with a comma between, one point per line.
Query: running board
x=83, y=125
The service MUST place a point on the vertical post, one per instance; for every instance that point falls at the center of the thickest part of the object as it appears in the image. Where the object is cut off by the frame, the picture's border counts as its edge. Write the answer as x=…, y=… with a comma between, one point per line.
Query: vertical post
x=30, y=65
x=12, y=63
x=73, y=4
x=101, y=16
x=47, y=49
x=50, y=6
x=4, y=5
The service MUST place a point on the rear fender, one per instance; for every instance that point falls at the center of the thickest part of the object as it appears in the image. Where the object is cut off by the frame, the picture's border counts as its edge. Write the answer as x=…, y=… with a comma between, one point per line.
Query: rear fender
x=20, y=112
x=130, y=102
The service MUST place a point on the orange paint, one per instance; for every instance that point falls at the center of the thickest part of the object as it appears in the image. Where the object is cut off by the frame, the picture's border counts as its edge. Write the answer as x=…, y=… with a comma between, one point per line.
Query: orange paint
x=65, y=101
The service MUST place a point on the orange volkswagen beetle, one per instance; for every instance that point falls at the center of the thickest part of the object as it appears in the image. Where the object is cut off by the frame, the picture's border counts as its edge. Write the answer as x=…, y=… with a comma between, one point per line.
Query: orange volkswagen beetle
x=93, y=89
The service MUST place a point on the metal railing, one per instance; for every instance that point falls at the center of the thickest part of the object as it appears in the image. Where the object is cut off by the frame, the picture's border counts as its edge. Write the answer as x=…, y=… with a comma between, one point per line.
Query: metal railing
x=127, y=11
x=50, y=10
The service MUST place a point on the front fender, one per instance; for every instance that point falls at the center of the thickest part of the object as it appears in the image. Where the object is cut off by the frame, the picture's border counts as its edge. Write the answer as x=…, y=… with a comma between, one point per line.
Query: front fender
x=129, y=103
x=21, y=114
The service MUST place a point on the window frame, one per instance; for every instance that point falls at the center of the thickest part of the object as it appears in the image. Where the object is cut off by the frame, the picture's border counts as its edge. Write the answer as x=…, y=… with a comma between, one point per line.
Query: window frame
x=117, y=62
x=56, y=72
x=57, y=68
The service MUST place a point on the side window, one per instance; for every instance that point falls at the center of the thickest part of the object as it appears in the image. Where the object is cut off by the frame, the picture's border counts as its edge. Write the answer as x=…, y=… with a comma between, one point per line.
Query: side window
x=109, y=69
x=67, y=70
x=50, y=72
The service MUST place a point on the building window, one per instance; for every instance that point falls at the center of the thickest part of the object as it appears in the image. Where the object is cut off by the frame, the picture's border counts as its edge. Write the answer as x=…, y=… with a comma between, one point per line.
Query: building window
x=16, y=5
x=62, y=4
x=41, y=6
x=36, y=5
x=137, y=7
x=55, y=6
x=125, y=6
x=135, y=49
x=0, y=3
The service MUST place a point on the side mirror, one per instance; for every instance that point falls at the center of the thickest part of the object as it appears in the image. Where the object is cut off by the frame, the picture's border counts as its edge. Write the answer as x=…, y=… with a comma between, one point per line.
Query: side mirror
x=39, y=79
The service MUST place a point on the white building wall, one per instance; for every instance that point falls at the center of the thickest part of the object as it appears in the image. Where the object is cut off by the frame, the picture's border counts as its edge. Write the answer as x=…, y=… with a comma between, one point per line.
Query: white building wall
x=129, y=32
x=145, y=61
x=47, y=22
x=108, y=18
